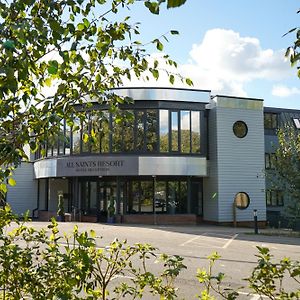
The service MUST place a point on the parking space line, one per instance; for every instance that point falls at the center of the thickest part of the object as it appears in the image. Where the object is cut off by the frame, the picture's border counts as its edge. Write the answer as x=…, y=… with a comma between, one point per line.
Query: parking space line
x=230, y=241
x=190, y=240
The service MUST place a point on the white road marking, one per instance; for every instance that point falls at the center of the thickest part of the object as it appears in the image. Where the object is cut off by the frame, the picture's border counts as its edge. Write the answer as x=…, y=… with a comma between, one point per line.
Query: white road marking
x=254, y=296
x=206, y=236
x=230, y=241
x=190, y=240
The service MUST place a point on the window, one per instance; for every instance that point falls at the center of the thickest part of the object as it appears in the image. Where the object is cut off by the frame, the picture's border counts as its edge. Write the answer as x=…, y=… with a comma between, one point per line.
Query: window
x=274, y=198
x=270, y=159
x=164, y=130
x=195, y=124
x=297, y=123
x=151, y=130
x=76, y=136
x=270, y=120
x=185, y=132
x=242, y=200
x=240, y=129
x=174, y=131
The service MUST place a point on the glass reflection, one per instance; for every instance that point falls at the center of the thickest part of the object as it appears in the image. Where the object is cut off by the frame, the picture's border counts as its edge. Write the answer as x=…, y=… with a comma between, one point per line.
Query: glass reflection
x=140, y=130
x=95, y=133
x=164, y=130
x=195, y=132
x=128, y=133
x=117, y=133
x=104, y=132
x=185, y=134
x=174, y=132
x=76, y=136
x=151, y=131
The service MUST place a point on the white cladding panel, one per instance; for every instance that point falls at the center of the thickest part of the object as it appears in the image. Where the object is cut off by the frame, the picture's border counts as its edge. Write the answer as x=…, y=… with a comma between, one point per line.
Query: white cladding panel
x=240, y=163
x=210, y=184
x=23, y=196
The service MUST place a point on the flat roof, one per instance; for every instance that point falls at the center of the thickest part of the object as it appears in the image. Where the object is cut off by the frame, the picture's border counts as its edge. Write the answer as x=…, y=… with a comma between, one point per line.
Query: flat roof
x=164, y=93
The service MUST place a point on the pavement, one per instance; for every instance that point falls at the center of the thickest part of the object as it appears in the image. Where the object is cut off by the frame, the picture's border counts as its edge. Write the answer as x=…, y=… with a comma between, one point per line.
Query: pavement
x=237, y=247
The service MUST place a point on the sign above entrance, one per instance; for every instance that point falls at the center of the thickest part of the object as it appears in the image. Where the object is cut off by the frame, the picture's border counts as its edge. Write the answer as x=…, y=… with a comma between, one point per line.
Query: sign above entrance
x=96, y=166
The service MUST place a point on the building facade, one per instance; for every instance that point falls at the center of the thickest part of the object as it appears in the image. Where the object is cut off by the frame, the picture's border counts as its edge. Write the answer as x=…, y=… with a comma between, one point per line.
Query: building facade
x=179, y=156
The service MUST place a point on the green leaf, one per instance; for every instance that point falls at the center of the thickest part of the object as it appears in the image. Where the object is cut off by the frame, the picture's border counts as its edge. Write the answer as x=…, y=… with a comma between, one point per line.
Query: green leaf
x=159, y=45
x=53, y=67
x=189, y=82
x=153, y=7
x=3, y=188
x=175, y=3
x=48, y=81
x=11, y=181
x=171, y=79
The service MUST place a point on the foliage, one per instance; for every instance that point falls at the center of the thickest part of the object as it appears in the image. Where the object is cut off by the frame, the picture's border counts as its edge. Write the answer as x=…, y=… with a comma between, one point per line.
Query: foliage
x=293, y=51
x=213, y=283
x=286, y=175
x=55, y=54
x=43, y=264
x=38, y=264
x=267, y=278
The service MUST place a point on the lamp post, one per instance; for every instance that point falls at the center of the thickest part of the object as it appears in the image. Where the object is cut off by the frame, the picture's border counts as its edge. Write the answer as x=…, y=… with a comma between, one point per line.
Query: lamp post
x=255, y=221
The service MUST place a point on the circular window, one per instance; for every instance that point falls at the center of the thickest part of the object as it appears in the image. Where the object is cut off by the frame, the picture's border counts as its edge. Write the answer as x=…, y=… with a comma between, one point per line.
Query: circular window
x=242, y=200
x=240, y=129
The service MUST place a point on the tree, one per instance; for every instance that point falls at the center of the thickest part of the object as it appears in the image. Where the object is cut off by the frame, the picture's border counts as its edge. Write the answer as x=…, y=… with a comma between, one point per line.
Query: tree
x=287, y=167
x=76, y=49
x=293, y=51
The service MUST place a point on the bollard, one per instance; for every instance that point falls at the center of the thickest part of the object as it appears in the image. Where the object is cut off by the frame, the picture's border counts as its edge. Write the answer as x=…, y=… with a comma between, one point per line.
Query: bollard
x=255, y=221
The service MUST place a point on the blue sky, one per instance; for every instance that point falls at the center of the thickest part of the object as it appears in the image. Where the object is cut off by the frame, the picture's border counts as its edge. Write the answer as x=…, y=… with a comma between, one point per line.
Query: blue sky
x=232, y=47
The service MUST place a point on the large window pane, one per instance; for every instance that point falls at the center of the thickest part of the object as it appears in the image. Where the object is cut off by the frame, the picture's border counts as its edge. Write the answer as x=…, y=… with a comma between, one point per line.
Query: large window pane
x=61, y=138
x=174, y=132
x=85, y=133
x=185, y=124
x=67, y=139
x=164, y=130
x=95, y=133
x=117, y=133
x=128, y=133
x=76, y=136
x=140, y=130
x=151, y=132
x=195, y=131
x=172, y=197
x=160, y=196
x=104, y=134
x=146, y=196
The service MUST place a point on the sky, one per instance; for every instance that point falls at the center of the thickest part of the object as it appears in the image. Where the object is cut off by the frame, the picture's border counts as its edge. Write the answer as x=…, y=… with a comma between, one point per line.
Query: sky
x=232, y=47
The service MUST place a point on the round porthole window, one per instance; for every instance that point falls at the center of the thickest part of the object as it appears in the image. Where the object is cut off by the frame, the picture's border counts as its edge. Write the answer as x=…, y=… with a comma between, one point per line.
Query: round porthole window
x=240, y=129
x=242, y=200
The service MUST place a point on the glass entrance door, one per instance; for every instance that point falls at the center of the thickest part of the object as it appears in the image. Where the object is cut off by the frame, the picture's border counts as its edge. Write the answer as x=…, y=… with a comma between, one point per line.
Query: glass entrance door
x=107, y=195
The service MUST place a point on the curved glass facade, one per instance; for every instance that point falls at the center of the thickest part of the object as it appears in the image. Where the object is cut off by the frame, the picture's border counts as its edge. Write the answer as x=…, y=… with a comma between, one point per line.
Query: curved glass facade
x=139, y=130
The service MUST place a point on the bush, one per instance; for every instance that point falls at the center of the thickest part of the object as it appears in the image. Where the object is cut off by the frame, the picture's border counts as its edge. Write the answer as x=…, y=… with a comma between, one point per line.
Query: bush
x=42, y=264
x=39, y=264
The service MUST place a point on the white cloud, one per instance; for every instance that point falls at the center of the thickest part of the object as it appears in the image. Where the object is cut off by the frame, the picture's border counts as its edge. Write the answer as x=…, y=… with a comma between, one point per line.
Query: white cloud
x=284, y=91
x=225, y=62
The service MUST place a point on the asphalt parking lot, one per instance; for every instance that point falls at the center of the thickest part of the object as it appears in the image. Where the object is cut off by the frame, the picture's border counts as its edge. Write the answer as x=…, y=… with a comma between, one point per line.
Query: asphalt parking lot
x=237, y=247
